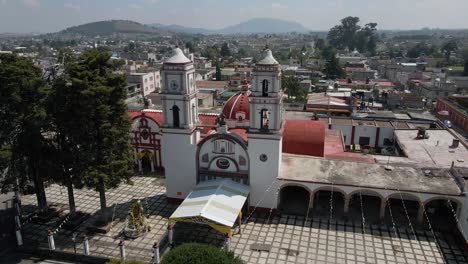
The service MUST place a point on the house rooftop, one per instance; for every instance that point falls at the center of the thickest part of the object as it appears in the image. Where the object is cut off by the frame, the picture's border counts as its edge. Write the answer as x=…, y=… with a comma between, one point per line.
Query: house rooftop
x=435, y=151
x=338, y=172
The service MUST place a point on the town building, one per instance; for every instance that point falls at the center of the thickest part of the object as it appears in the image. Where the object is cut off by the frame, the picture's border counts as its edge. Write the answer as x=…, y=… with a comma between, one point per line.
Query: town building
x=251, y=156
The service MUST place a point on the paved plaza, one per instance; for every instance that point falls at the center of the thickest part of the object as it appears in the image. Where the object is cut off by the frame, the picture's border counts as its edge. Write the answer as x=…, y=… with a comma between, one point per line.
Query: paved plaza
x=293, y=239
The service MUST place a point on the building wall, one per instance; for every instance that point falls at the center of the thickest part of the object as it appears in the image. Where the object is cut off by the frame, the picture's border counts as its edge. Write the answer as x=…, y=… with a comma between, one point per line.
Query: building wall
x=179, y=159
x=346, y=130
x=365, y=131
x=457, y=117
x=263, y=173
x=385, y=132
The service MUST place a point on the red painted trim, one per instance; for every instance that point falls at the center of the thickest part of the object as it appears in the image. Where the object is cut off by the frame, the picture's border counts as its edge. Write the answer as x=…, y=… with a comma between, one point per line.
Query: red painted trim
x=352, y=135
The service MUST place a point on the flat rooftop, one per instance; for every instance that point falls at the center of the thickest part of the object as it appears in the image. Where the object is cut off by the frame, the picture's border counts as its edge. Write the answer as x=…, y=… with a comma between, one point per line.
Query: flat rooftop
x=435, y=151
x=410, y=179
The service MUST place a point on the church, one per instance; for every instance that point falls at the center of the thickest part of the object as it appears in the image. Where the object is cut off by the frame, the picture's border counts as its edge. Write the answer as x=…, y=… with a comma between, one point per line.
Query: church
x=216, y=166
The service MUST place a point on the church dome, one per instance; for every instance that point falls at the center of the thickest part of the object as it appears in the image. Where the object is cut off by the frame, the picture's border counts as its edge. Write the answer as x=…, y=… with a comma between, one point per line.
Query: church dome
x=238, y=106
x=178, y=57
x=268, y=58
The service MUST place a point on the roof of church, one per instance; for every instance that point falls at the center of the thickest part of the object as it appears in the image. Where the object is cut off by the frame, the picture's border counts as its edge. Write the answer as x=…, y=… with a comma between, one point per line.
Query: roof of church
x=237, y=103
x=178, y=57
x=304, y=137
x=268, y=58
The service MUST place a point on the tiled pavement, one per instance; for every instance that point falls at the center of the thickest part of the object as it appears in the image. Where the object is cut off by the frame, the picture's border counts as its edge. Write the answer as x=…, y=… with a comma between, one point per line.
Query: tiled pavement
x=293, y=239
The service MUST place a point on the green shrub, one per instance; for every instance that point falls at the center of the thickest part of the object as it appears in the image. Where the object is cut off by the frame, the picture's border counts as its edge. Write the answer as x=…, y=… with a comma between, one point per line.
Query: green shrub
x=195, y=253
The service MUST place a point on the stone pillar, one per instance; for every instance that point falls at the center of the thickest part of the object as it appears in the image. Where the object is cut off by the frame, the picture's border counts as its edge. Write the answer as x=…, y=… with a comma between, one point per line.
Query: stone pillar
x=346, y=204
x=311, y=205
x=383, y=206
x=170, y=234
x=156, y=257
x=420, y=218
x=228, y=242
x=122, y=250
x=86, y=245
x=140, y=166
x=50, y=238
x=19, y=237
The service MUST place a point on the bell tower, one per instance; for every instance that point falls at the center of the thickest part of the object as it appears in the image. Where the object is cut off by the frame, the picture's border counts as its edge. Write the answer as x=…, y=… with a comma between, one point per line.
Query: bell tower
x=266, y=100
x=180, y=117
x=179, y=92
x=266, y=128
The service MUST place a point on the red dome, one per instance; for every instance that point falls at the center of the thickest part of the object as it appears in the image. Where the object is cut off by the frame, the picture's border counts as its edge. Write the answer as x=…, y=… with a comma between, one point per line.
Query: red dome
x=237, y=103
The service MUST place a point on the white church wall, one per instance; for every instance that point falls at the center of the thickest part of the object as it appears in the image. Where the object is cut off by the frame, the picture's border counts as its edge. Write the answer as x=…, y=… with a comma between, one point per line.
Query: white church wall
x=263, y=173
x=463, y=219
x=178, y=155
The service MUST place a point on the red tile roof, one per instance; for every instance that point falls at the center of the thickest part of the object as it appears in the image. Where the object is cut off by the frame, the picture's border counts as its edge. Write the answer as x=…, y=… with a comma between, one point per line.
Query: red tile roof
x=304, y=137
x=237, y=103
x=155, y=116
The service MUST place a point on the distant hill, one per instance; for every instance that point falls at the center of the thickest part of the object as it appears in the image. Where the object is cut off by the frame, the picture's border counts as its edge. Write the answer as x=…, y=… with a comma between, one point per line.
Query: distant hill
x=182, y=29
x=110, y=27
x=265, y=25
x=256, y=25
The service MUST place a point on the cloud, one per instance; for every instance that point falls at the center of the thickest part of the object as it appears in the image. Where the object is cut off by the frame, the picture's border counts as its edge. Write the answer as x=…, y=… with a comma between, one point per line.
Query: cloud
x=31, y=3
x=134, y=6
x=72, y=6
x=152, y=1
x=278, y=7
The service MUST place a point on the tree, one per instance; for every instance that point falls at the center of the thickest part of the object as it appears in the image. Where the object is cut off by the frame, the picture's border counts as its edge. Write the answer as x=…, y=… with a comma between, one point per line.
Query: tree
x=225, y=51
x=218, y=72
x=350, y=35
x=449, y=47
x=465, y=62
x=293, y=88
x=98, y=134
x=333, y=69
x=343, y=35
x=195, y=253
x=189, y=46
x=23, y=143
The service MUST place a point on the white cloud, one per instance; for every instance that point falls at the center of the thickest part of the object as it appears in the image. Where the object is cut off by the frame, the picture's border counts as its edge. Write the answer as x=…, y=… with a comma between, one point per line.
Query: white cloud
x=31, y=3
x=134, y=6
x=278, y=7
x=72, y=6
x=152, y=1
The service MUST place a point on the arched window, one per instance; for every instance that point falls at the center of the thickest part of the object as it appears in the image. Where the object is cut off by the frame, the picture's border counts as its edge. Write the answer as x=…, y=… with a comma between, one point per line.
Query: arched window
x=265, y=119
x=265, y=88
x=175, y=116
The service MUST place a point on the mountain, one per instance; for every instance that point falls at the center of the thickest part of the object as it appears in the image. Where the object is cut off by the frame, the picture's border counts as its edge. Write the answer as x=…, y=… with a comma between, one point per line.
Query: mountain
x=182, y=29
x=111, y=27
x=264, y=25
x=256, y=25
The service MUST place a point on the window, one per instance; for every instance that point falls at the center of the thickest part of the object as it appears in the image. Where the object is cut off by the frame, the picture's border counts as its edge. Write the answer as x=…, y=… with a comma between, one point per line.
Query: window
x=175, y=116
x=223, y=164
x=364, y=140
x=265, y=119
x=205, y=157
x=265, y=88
x=242, y=161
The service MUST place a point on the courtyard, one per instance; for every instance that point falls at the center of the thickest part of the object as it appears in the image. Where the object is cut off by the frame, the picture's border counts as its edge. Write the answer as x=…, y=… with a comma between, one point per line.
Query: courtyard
x=312, y=238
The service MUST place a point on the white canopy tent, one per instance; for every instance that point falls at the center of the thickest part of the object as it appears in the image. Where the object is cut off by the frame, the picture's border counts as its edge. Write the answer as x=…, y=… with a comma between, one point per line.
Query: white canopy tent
x=217, y=203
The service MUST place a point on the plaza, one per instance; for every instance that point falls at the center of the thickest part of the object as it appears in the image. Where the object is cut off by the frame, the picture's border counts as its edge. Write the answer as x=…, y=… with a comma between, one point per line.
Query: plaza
x=311, y=238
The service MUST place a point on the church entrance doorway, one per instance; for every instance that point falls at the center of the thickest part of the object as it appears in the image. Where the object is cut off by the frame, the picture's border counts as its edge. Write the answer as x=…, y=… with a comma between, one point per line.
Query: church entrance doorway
x=146, y=163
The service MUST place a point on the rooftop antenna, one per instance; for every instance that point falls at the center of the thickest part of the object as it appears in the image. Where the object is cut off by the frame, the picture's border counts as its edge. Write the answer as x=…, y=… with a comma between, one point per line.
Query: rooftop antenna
x=267, y=44
x=176, y=40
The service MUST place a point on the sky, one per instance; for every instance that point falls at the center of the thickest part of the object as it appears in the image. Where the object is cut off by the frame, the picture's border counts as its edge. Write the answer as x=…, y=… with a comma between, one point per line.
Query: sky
x=25, y=16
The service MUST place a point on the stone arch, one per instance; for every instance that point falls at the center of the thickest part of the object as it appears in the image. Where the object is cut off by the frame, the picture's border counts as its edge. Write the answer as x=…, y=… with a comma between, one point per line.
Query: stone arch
x=294, y=199
x=365, y=203
x=442, y=212
x=399, y=206
x=323, y=196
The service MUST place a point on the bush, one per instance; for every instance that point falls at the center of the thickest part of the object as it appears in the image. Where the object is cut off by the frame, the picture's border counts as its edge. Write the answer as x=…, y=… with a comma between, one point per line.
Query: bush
x=118, y=261
x=195, y=253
